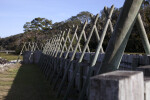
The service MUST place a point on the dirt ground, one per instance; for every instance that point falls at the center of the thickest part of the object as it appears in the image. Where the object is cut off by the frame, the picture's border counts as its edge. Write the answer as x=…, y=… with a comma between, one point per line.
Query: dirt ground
x=25, y=82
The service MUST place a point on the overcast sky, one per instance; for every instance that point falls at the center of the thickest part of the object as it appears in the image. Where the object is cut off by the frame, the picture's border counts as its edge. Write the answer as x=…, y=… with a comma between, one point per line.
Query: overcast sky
x=15, y=13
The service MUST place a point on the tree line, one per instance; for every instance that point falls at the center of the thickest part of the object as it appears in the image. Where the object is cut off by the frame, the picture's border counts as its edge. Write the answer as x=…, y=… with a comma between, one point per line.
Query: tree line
x=41, y=29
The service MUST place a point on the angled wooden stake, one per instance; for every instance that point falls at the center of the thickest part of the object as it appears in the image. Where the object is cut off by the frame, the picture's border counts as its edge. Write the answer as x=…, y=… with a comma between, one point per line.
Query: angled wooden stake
x=81, y=96
x=120, y=36
x=73, y=55
x=143, y=34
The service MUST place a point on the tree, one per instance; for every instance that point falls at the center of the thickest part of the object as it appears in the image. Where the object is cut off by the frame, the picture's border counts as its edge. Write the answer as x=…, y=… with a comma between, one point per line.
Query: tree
x=85, y=15
x=38, y=24
x=145, y=3
x=73, y=21
x=27, y=26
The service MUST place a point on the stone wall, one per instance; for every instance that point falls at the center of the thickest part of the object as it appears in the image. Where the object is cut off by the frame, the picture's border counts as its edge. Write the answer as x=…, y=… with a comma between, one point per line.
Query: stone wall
x=128, y=62
x=31, y=57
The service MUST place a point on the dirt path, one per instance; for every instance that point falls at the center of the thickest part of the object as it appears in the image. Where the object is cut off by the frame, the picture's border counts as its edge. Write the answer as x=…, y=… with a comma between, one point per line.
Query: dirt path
x=24, y=82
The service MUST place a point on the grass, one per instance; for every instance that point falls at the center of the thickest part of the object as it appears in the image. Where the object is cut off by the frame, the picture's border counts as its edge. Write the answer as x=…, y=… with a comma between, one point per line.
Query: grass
x=10, y=56
x=25, y=82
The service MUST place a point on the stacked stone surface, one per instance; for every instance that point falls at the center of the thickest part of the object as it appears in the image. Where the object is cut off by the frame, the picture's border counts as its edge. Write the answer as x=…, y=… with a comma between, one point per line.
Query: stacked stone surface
x=3, y=61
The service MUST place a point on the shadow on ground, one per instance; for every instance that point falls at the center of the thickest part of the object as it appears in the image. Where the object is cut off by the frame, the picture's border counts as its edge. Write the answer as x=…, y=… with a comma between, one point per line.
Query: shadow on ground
x=29, y=84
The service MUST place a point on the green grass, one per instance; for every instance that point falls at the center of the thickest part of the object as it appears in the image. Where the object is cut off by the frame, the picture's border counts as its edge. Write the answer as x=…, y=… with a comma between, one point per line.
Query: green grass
x=9, y=56
x=25, y=82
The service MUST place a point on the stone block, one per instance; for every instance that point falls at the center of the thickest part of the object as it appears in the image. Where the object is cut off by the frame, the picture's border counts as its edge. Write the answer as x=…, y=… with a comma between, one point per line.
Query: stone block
x=36, y=56
x=117, y=85
x=145, y=69
x=87, y=57
x=147, y=88
x=27, y=57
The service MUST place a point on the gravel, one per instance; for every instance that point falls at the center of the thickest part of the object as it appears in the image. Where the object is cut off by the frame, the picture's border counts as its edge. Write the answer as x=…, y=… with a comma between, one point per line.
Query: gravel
x=5, y=64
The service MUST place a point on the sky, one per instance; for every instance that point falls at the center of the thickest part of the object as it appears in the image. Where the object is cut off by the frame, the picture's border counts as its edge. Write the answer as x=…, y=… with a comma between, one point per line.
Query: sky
x=15, y=13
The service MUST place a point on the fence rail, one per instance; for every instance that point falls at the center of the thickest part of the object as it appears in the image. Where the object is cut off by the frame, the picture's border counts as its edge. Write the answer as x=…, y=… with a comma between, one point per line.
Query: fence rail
x=7, y=51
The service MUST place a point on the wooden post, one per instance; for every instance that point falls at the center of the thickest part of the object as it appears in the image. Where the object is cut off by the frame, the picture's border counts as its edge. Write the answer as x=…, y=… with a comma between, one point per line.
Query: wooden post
x=120, y=36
